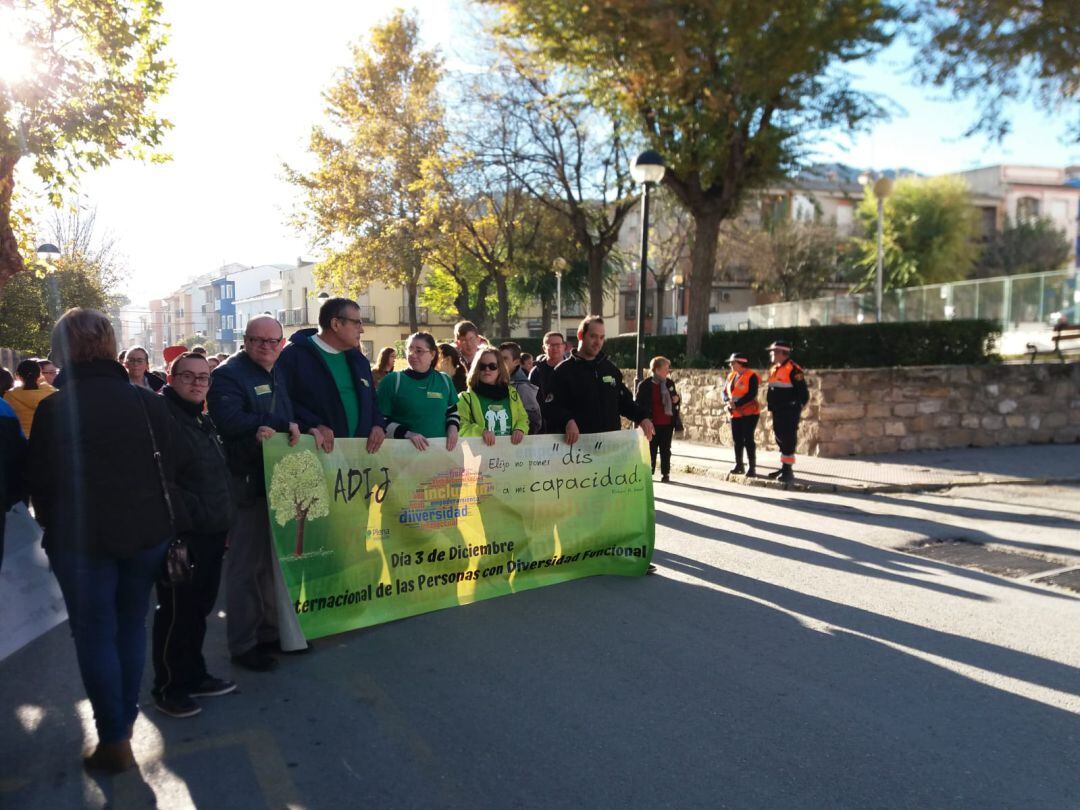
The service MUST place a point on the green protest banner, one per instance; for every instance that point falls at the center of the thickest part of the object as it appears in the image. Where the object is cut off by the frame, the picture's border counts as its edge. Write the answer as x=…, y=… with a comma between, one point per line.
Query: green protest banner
x=369, y=538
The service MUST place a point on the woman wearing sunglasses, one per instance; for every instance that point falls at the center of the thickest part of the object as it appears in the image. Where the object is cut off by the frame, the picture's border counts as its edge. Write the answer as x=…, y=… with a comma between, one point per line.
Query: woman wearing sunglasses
x=420, y=403
x=492, y=407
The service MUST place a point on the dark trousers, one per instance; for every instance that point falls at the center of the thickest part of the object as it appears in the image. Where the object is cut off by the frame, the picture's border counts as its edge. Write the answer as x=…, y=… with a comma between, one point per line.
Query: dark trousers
x=180, y=620
x=786, y=429
x=250, y=599
x=742, y=435
x=661, y=441
x=107, y=599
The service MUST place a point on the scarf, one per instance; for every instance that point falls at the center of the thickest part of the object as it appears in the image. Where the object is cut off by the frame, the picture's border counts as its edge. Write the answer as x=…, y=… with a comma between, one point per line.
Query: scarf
x=493, y=392
x=665, y=395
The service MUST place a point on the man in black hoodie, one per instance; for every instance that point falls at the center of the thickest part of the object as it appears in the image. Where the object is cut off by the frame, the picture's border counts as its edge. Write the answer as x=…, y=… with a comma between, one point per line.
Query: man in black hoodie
x=589, y=392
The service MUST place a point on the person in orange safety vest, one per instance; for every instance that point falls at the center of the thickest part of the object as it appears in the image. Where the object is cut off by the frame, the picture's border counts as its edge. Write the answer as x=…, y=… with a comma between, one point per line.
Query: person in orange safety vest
x=786, y=398
x=740, y=396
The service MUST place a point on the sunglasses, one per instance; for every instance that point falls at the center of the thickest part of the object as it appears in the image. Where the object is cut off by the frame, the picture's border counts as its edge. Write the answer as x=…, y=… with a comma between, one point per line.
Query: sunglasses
x=488, y=366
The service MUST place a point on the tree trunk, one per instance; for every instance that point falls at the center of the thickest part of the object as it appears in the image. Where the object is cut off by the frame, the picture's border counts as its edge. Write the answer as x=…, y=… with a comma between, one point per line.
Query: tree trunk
x=414, y=320
x=502, y=292
x=301, y=519
x=545, y=315
x=11, y=262
x=596, y=280
x=702, y=269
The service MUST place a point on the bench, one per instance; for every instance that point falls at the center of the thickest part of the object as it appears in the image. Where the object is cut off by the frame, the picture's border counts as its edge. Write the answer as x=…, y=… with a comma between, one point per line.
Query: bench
x=1064, y=332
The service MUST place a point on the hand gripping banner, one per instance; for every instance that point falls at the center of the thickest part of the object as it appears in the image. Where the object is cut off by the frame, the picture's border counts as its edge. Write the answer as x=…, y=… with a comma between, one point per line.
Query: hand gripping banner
x=368, y=538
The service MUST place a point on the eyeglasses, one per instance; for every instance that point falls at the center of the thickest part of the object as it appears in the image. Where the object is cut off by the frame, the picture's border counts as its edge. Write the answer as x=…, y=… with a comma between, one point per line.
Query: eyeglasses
x=190, y=378
x=357, y=321
x=416, y=350
x=135, y=361
x=488, y=366
x=271, y=342
x=52, y=373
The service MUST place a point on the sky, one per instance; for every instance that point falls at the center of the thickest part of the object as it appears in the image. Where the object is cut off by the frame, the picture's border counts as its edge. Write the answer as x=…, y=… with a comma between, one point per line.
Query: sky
x=248, y=90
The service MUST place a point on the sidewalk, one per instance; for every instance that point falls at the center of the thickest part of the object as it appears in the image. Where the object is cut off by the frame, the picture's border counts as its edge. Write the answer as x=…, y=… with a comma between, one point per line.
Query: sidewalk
x=895, y=472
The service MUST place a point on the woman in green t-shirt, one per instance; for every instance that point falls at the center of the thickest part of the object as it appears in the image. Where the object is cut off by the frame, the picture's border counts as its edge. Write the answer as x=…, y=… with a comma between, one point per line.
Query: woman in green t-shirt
x=420, y=403
x=492, y=407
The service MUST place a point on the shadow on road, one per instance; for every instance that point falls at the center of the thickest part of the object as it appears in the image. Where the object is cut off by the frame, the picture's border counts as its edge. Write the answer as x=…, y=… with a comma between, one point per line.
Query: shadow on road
x=858, y=558
x=602, y=692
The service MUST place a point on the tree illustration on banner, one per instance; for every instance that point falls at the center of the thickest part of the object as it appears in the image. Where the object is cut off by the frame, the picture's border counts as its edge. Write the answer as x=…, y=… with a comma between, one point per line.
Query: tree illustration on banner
x=298, y=492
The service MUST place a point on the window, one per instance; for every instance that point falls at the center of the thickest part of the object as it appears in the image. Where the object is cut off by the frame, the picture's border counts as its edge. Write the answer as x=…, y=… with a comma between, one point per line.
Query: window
x=1027, y=208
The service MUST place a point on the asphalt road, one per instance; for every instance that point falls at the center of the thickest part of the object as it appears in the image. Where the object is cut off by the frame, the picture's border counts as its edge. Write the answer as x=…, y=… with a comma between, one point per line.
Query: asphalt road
x=787, y=655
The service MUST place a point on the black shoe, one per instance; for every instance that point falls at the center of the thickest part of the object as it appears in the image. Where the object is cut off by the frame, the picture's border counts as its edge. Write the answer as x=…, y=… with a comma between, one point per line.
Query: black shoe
x=776, y=474
x=650, y=570
x=738, y=469
x=176, y=705
x=213, y=687
x=751, y=472
x=664, y=479
x=787, y=476
x=255, y=660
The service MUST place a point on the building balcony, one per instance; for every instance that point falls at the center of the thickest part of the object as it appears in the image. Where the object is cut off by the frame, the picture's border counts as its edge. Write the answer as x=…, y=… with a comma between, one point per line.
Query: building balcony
x=421, y=315
x=368, y=314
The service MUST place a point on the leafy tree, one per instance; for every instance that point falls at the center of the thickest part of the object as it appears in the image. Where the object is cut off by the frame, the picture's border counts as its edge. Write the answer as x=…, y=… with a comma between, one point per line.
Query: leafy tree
x=363, y=200
x=86, y=272
x=298, y=492
x=1024, y=247
x=567, y=155
x=728, y=92
x=1000, y=51
x=789, y=261
x=930, y=232
x=94, y=72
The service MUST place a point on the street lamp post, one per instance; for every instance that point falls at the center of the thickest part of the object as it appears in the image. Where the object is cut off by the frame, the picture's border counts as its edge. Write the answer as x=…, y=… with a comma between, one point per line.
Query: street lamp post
x=648, y=170
x=48, y=253
x=559, y=265
x=883, y=187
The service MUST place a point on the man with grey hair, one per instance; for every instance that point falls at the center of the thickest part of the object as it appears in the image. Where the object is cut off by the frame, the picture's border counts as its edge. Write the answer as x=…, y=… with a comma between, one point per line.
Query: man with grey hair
x=249, y=404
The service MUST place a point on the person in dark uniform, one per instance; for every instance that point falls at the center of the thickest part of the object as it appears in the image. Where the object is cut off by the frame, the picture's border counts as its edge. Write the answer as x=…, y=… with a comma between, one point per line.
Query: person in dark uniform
x=741, y=398
x=787, y=397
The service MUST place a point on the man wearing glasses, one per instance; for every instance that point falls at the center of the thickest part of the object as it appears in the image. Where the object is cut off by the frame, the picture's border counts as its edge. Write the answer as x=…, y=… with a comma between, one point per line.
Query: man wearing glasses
x=329, y=379
x=48, y=372
x=249, y=403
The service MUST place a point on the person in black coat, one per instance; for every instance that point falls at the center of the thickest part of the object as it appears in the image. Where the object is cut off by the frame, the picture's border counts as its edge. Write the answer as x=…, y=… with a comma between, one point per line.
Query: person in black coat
x=249, y=403
x=96, y=490
x=656, y=396
x=180, y=673
x=329, y=379
x=589, y=395
x=12, y=459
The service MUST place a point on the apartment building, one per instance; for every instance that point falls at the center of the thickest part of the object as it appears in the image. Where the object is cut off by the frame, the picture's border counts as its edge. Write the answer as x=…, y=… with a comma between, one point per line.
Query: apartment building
x=1010, y=193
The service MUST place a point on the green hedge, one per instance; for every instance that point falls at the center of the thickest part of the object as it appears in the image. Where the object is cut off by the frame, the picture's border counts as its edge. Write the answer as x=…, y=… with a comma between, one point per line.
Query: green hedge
x=931, y=343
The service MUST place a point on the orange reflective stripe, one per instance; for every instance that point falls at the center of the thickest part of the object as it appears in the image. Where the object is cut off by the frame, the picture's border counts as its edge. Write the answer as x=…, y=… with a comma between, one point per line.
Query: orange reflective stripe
x=787, y=459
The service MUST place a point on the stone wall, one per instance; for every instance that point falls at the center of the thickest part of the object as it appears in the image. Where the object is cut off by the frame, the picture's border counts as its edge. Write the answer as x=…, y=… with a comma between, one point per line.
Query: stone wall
x=864, y=411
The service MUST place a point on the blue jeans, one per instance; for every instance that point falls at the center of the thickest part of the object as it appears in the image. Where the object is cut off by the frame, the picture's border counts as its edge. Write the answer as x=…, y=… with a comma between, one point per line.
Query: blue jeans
x=107, y=600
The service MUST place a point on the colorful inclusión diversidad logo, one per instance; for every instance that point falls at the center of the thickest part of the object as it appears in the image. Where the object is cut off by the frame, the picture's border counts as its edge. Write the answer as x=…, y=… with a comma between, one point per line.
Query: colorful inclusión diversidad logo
x=445, y=499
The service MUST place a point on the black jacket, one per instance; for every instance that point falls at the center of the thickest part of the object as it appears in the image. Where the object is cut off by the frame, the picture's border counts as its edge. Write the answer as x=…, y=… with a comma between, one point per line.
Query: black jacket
x=244, y=397
x=314, y=395
x=91, y=471
x=592, y=393
x=203, y=482
x=643, y=398
x=542, y=376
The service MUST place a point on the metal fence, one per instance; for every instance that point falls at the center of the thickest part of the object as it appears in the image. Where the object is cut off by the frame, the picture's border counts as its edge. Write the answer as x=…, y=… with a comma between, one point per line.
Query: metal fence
x=1032, y=300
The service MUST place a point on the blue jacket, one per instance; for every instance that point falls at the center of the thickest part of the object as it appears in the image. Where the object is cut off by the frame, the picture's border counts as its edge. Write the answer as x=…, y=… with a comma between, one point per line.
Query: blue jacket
x=245, y=396
x=314, y=395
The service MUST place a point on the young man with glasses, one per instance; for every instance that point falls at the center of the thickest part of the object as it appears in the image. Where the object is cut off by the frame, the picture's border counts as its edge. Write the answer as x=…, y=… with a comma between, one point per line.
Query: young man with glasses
x=249, y=403
x=329, y=379
x=542, y=377
x=180, y=673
